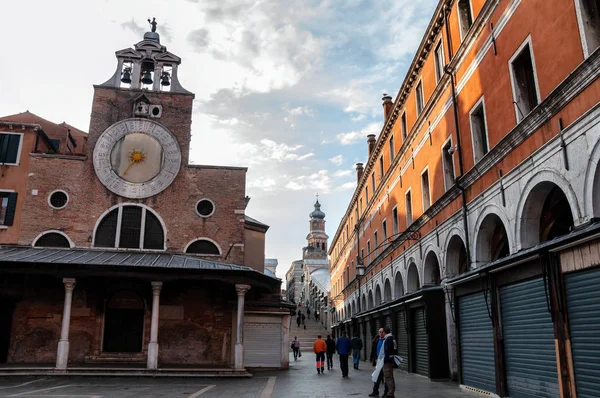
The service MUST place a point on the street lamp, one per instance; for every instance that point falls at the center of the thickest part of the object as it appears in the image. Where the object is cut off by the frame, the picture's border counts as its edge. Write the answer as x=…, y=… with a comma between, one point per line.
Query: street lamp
x=360, y=272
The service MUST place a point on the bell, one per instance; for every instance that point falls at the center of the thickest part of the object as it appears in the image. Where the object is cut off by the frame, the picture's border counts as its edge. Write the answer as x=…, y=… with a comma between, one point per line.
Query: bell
x=147, y=77
x=126, y=78
x=164, y=79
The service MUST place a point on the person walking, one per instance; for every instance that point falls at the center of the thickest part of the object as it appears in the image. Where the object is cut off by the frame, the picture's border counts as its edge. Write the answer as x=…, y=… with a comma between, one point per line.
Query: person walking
x=317, y=315
x=296, y=347
x=303, y=318
x=388, y=362
x=357, y=346
x=320, y=347
x=343, y=347
x=308, y=313
x=330, y=351
x=376, y=348
x=298, y=320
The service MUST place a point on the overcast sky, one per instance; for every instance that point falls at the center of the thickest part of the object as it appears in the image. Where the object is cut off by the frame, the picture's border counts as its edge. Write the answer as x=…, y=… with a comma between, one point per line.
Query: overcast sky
x=289, y=88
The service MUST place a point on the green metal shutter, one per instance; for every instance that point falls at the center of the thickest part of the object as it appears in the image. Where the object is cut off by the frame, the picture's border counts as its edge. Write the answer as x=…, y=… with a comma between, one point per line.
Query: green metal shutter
x=421, y=354
x=11, y=209
x=476, y=336
x=402, y=337
x=528, y=341
x=583, y=304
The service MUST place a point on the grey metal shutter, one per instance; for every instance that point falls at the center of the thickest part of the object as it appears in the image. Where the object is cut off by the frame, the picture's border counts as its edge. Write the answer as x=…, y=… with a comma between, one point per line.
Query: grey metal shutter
x=402, y=337
x=369, y=340
x=583, y=304
x=528, y=341
x=377, y=326
x=388, y=322
x=476, y=336
x=420, y=333
x=262, y=344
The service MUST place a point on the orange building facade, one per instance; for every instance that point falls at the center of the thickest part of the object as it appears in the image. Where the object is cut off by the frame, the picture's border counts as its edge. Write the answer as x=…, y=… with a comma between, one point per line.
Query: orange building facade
x=478, y=199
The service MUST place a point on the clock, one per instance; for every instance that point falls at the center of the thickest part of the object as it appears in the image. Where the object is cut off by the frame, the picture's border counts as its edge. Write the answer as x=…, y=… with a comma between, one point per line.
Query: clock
x=136, y=158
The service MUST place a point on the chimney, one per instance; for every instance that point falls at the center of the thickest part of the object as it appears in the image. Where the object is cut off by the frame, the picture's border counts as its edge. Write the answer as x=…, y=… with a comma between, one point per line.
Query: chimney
x=387, y=106
x=359, y=171
x=371, y=142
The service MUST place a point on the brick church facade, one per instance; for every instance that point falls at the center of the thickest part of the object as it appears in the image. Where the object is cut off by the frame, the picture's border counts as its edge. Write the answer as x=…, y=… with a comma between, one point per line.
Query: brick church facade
x=125, y=252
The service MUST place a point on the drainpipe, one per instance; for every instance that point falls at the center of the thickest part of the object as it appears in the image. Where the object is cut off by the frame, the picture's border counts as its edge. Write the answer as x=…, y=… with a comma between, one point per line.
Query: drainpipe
x=458, y=142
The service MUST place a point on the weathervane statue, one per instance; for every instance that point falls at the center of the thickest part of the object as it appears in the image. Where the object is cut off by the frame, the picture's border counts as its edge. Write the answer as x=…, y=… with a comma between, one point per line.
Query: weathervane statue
x=153, y=24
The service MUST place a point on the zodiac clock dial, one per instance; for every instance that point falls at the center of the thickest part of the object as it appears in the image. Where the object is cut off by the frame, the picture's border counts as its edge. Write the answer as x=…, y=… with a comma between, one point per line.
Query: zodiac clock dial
x=136, y=158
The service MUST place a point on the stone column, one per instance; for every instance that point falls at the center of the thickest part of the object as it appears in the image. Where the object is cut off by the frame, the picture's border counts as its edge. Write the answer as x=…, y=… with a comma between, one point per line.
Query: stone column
x=153, y=345
x=62, y=356
x=239, y=342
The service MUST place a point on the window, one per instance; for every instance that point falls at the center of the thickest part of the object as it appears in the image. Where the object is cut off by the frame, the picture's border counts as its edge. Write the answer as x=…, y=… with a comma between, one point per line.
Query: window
x=52, y=239
x=525, y=92
x=588, y=14
x=465, y=17
x=439, y=61
x=8, y=206
x=203, y=246
x=368, y=251
x=10, y=148
x=366, y=194
x=373, y=182
x=425, y=189
x=448, y=164
x=130, y=227
x=392, y=151
x=58, y=200
x=403, y=126
x=479, y=131
x=205, y=208
x=409, y=217
x=395, y=220
x=361, y=207
x=381, y=167
x=419, y=94
x=376, y=240
x=384, y=230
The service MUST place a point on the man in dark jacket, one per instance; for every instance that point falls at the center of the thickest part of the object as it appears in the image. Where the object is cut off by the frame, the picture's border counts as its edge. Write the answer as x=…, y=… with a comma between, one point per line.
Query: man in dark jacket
x=357, y=346
x=330, y=351
x=388, y=362
x=343, y=347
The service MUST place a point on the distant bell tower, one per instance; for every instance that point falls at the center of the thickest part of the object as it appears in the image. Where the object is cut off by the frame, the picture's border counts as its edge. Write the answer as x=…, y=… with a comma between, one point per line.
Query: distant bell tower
x=317, y=238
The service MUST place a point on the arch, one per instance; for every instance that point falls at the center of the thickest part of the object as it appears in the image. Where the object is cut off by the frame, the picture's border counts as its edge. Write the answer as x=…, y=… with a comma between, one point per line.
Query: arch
x=155, y=240
x=363, y=305
x=387, y=291
x=204, y=246
x=456, y=256
x=354, y=307
x=412, y=277
x=53, y=238
x=378, y=298
x=431, y=269
x=370, y=300
x=398, y=285
x=492, y=241
x=547, y=208
x=591, y=202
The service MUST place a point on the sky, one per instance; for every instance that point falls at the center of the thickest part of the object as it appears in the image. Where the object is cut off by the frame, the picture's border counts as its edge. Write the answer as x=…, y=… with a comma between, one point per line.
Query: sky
x=288, y=88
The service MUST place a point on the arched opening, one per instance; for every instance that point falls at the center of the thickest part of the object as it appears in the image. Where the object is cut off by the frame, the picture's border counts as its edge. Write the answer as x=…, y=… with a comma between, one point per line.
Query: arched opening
x=353, y=307
x=413, y=278
x=377, y=295
x=398, y=285
x=130, y=219
x=52, y=239
x=363, y=303
x=370, y=300
x=387, y=291
x=203, y=246
x=124, y=323
x=492, y=240
x=431, y=274
x=546, y=215
x=456, y=257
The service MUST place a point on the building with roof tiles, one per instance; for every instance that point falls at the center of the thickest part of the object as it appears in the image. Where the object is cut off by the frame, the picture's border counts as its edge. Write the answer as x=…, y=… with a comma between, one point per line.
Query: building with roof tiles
x=473, y=230
x=116, y=251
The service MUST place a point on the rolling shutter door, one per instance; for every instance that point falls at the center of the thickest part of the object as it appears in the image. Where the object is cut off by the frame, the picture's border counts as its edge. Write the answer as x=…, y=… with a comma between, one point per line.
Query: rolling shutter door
x=528, y=341
x=421, y=355
x=377, y=326
x=388, y=322
x=402, y=336
x=262, y=344
x=583, y=304
x=369, y=340
x=476, y=343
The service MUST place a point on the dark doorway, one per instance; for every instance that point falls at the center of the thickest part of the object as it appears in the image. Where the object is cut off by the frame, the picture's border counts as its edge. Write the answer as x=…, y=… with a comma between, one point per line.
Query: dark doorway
x=124, y=323
x=6, y=315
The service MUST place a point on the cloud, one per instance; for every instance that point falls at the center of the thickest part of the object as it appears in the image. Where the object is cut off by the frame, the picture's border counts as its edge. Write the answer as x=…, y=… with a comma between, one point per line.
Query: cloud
x=337, y=160
x=199, y=39
x=301, y=110
x=317, y=181
x=342, y=173
x=134, y=27
x=358, y=118
x=346, y=186
x=353, y=136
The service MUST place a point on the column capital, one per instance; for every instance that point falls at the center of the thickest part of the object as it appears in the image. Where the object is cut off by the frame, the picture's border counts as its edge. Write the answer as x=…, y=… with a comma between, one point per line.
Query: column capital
x=69, y=284
x=156, y=287
x=242, y=289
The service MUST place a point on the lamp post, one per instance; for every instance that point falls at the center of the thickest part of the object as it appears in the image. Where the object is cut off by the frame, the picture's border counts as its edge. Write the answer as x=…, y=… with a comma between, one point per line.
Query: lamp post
x=360, y=272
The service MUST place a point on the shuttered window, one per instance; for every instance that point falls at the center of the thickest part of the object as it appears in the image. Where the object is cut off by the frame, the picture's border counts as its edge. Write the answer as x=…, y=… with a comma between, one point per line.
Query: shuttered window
x=9, y=148
x=8, y=206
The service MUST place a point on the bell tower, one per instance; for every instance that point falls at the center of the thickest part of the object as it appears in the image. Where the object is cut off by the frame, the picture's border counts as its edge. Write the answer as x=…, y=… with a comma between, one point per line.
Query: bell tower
x=317, y=238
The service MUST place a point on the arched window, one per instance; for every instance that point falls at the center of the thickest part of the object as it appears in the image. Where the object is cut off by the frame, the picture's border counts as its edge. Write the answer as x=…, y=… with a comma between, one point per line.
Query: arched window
x=130, y=227
x=203, y=246
x=52, y=239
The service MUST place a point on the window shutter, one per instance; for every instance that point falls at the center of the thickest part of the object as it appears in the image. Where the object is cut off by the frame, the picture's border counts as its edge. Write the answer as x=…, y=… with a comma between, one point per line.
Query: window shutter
x=10, y=209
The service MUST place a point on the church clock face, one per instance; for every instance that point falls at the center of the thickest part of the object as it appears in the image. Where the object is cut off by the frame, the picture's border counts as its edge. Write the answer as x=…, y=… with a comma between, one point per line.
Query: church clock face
x=136, y=158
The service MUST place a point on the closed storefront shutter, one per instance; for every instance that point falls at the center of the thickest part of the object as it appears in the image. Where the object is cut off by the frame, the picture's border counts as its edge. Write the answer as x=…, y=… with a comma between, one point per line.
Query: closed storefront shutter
x=369, y=340
x=402, y=337
x=476, y=343
x=420, y=338
x=388, y=322
x=528, y=341
x=377, y=325
x=583, y=304
x=262, y=344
